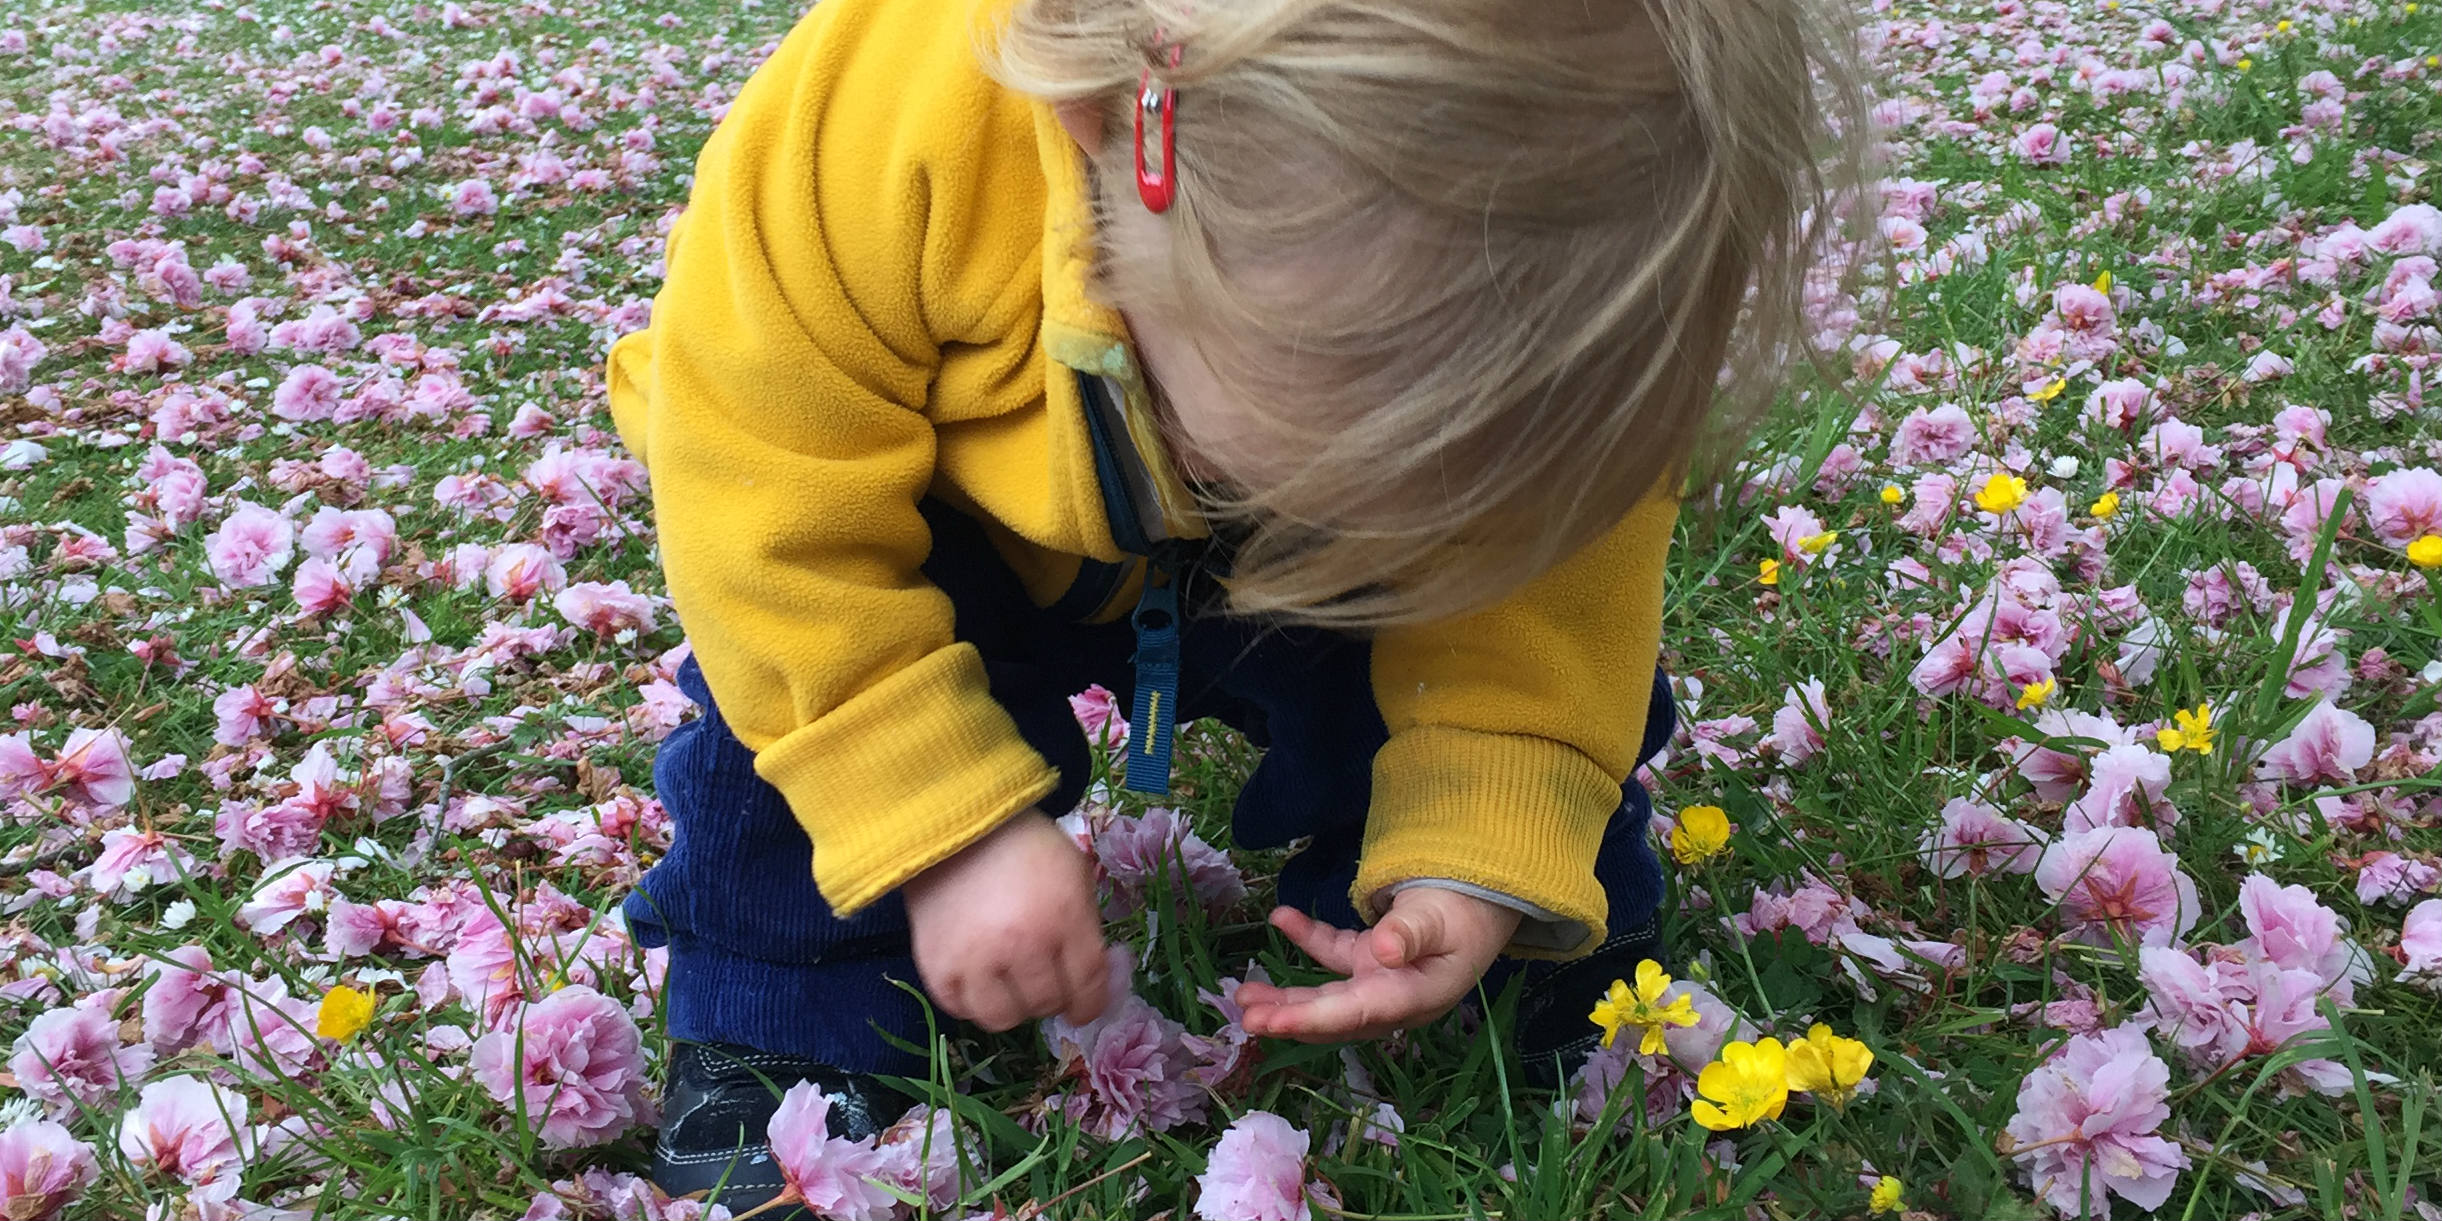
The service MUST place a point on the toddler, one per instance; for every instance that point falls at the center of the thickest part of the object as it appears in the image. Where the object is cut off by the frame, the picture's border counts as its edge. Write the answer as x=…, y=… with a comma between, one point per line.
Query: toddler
x=1326, y=367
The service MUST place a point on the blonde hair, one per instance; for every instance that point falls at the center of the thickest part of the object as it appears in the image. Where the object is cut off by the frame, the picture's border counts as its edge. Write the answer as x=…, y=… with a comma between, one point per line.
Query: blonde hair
x=1529, y=231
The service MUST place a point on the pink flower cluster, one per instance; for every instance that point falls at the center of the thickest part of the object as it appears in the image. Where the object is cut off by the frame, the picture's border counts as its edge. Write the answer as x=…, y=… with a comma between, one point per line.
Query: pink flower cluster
x=2014, y=636
x=601, y=1195
x=1257, y=1172
x=2118, y=884
x=573, y=1063
x=375, y=516
x=2254, y=997
x=91, y=769
x=43, y=1169
x=191, y=1132
x=2087, y=1123
x=72, y=1058
x=858, y=1180
x=1975, y=839
x=1099, y=714
x=1133, y=855
x=1132, y=1069
x=2421, y=944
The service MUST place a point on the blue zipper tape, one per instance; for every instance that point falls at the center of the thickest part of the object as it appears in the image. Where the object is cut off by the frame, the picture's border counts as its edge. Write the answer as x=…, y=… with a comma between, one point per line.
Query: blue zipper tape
x=1154, y=713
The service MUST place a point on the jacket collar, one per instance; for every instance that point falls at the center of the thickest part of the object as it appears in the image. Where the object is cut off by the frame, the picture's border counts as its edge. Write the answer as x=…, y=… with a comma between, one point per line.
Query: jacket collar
x=1089, y=337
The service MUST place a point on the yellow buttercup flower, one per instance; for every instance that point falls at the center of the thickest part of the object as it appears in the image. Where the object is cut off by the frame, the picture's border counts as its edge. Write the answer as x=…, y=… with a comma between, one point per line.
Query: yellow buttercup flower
x=2281, y=26
x=2051, y=390
x=2034, y=694
x=1768, y=572
x=2102, y=281
x=1826, y=1065
x=2105, y=506
x=1892, y=494
x=1817, y=544
x=2194, y=732
x=1701, y=833
x=1642, y=1008
x=344, y=1014
x=2426, y=552
x=2246, y=65
x=1747, y=1085
x=2001, y=493
x=1886, y=1197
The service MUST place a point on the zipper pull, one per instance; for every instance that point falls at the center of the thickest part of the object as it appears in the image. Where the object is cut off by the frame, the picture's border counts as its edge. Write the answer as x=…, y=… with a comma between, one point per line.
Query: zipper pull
x=1154, y=711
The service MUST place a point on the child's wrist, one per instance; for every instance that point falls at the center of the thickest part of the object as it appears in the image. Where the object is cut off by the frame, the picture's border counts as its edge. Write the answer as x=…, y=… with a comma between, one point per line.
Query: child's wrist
x=1536, y=929
x=977, y=852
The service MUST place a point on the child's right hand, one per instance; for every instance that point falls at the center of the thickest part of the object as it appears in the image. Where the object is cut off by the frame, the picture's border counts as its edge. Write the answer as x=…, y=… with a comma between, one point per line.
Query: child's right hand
x=1008, y=930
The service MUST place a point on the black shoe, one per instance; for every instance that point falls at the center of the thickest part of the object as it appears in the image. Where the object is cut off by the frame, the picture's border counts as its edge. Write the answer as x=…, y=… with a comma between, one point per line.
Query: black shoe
x=718, y=1106
x=1554, y=1032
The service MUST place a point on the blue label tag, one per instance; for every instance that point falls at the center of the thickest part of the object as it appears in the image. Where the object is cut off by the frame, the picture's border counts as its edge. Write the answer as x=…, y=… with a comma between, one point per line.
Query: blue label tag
x=1155, y=711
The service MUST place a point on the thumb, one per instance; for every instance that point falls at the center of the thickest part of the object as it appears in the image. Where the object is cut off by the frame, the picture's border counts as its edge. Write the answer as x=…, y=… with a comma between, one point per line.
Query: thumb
x=1411, y=931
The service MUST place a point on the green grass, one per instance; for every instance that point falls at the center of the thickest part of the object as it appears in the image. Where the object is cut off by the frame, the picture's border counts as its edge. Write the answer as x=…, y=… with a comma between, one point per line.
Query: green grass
x=1478, y=1143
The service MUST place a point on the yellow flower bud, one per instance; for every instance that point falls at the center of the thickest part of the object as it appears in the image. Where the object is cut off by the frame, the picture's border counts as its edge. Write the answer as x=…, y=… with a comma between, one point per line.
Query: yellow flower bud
x=1700, y=834
x=2001, y=493
x=344, y=1014
x=1826, y=1065
x=1886, y=1197
x=1747, y=1085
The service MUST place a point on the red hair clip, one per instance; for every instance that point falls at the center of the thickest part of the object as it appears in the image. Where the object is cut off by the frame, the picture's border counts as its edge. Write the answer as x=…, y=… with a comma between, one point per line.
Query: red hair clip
x=1158, y=187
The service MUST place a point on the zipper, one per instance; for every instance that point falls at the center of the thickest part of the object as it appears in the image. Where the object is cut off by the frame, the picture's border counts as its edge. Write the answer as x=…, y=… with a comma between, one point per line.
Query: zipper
x=1159, y=620
x=1129, y=529
x=1154, y=710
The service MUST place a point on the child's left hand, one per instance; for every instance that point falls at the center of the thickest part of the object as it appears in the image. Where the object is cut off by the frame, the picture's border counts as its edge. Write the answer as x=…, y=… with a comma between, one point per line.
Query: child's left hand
x=1421, y=959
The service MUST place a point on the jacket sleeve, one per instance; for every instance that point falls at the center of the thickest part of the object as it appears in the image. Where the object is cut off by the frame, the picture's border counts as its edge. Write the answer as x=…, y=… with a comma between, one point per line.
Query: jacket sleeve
x=779, y=400
x=1512, y=730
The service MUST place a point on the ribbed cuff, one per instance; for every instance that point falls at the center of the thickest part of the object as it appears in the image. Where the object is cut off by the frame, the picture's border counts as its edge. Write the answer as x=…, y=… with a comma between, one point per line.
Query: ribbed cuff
x=910, y=771
x=1520, y=815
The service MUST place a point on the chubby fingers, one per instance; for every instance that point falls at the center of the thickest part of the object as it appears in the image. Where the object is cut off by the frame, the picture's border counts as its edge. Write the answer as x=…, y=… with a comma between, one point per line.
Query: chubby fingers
x=999, y=983
x=1408, y=933
x=1070, y=978
x=1333, y=947
x=1002, y=996
x=1340, y=1011
x=1012, y=996
x=983, y=998
x=1086, y=976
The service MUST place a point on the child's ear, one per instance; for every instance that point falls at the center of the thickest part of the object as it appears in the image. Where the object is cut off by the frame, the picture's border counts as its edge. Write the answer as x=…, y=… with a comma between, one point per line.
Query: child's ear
x=1082, y=119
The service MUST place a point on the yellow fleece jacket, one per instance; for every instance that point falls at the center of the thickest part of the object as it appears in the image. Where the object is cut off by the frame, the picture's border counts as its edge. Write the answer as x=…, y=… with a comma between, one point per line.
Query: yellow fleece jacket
x=878, y=293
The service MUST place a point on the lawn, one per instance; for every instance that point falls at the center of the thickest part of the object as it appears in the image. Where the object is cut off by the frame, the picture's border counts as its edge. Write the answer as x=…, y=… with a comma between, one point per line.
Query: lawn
x=2059, y=676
